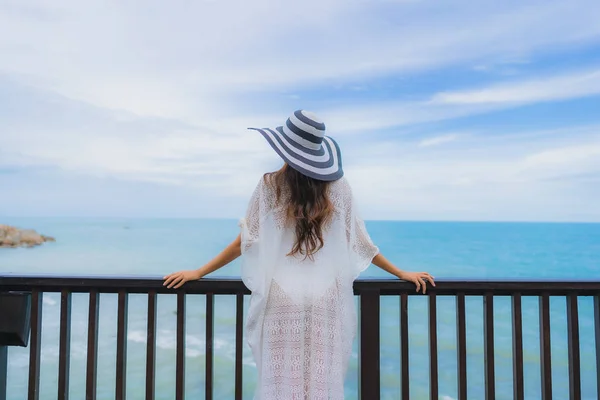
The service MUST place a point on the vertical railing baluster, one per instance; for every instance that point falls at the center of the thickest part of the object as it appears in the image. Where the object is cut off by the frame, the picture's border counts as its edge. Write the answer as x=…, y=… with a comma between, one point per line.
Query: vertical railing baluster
x=210, y=320
x=92, y=346
x=404, y=365
x=151, y=345
x=488, y=344
x=573, y=340
x=545, y=356
x=461, y=346
x=369, y=344
x=180, y=374
x=239, y=333
x=433, y=348
x=64, y=355
x=121, y=361
x=3, y=371
x=517, y=342
x=597, y=337
x=35, y=343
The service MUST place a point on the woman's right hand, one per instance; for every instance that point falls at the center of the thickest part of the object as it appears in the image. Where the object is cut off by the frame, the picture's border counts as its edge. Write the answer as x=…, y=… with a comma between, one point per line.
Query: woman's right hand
x=177, y=279
x=418, y=278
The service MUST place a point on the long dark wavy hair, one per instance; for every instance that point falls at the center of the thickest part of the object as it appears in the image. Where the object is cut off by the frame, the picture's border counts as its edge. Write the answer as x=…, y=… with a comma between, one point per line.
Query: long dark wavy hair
x=308, y=206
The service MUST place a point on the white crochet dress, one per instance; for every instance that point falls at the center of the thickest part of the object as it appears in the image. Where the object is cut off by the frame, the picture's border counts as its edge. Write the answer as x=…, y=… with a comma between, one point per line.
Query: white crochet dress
x=302, y=320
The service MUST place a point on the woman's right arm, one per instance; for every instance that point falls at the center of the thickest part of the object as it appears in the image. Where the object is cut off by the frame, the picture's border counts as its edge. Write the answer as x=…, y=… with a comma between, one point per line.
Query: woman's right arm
x=362, y=246
x=230, y=253
x=418, y=278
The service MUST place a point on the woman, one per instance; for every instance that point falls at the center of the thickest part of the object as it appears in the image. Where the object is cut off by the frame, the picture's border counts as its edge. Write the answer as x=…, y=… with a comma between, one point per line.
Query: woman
x=303, y=246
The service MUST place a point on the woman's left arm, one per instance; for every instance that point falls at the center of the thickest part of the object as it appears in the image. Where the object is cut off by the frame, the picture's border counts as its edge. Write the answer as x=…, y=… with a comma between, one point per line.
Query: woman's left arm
x=230, y=253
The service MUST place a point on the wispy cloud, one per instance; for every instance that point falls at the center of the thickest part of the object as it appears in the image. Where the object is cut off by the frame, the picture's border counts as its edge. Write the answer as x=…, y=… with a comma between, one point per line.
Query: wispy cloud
x=469, y=102
x=541, y=89
x=522, y=176
x=142, y=64
x=438, y=140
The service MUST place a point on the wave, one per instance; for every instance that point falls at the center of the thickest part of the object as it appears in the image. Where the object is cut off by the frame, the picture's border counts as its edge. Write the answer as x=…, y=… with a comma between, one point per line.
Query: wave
x=48, y=301
x=195, y=346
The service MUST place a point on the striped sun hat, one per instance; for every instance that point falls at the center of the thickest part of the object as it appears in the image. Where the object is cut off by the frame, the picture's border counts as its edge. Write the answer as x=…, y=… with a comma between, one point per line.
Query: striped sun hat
x=302, y=144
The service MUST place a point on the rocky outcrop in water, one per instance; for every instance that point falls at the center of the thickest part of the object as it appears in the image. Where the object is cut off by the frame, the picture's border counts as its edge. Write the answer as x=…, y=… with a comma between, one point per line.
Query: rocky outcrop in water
x=15, y=237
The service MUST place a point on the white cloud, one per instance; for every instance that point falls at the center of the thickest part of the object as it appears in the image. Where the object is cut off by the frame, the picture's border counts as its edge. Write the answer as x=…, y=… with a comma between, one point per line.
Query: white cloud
x=81, y=139
x=521, y=176
x=541, y=89
x=451, y=105
x=191, y=59
x=438, y=140
x=191, y=158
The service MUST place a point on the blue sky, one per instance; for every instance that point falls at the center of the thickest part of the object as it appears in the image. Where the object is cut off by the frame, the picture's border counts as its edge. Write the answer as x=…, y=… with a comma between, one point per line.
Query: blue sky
x=458, y=110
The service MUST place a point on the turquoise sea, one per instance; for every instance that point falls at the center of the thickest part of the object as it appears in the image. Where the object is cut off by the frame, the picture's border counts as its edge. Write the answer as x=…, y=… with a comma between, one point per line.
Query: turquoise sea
x=446, y=249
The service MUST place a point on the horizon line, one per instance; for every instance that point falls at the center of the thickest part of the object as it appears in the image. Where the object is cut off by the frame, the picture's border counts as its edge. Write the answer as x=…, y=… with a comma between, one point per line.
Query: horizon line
x=508, y=221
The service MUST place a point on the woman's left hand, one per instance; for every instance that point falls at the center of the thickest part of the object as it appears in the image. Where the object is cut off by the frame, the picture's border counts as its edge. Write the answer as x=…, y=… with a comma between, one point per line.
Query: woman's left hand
x=419, y=279
x=177, y=279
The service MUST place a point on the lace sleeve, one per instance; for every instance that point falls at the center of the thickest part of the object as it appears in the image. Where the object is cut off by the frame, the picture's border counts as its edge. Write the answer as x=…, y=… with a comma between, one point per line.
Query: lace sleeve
x=250, y=224
x=361, y=247
x=260, y=240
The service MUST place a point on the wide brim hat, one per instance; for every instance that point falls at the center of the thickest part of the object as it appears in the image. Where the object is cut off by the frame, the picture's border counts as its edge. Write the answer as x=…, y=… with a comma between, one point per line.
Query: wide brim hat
x=301, y=142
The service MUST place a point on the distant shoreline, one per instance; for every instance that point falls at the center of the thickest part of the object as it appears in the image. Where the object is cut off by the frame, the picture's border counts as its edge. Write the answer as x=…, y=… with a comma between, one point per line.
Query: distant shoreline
x=13, y=237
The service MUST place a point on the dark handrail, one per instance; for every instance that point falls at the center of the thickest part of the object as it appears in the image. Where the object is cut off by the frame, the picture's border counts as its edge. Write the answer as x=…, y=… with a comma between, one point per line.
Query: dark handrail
x=227, y=285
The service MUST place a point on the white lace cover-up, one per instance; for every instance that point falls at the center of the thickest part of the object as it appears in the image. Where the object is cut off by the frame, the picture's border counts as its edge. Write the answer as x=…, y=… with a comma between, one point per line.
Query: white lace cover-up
x=302, y=320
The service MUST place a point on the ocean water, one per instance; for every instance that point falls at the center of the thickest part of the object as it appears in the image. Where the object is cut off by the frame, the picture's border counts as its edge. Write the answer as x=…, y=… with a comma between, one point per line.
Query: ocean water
x=447, y=250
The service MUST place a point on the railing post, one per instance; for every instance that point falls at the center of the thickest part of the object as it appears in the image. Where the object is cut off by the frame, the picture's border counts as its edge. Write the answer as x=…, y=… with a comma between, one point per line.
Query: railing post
x=91, y=370
x=121, y=361
x=64, y=358
x=3, y=371
x=15, y=311
x=488, y=344
x=210, y=348
x=517, y=343
x=35, y=346
x=597, y=337
x=404, y=361
x=545, y=348
x=433, y=348
x=461, y=346
x=573, y=349
x=151, y=346
x=180, y=354
x=369, y=345
x=239, y=334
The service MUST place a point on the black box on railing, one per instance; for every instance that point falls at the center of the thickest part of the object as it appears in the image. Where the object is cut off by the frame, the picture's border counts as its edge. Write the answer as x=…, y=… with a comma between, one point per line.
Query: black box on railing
x=15, y=311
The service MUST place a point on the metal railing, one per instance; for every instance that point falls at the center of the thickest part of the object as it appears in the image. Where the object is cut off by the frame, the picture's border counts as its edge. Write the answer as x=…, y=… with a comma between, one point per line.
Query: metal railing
x=369, y=292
